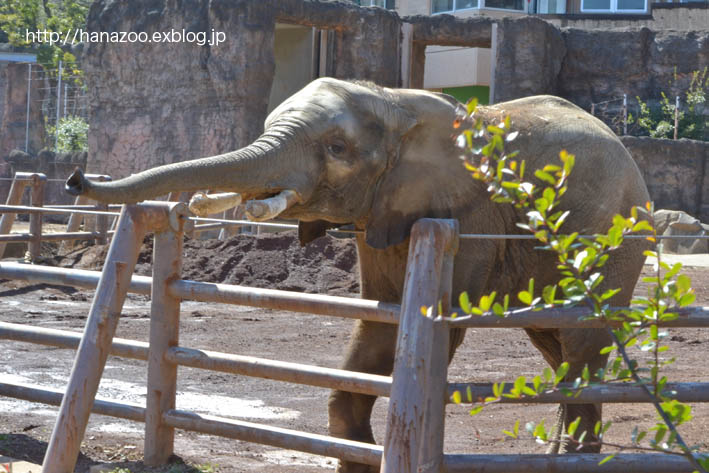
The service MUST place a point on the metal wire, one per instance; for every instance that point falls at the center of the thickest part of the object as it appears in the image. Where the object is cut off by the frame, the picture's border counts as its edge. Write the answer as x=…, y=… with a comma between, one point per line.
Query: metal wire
x=464, y=236
x=485, y=236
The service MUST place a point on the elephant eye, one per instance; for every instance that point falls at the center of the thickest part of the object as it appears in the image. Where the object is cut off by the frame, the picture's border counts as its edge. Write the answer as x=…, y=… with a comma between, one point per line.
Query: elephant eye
x=336, y=149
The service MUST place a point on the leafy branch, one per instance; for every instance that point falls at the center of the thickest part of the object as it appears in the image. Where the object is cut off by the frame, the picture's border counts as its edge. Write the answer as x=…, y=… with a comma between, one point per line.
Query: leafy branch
x=579, y=262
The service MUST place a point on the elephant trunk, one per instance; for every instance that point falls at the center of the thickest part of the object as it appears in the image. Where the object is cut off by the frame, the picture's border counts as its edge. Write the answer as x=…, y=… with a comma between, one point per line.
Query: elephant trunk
x=261, y=168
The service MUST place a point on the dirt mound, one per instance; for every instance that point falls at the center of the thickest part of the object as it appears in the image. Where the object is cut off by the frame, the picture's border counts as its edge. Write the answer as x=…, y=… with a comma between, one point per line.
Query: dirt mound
x=272, y=260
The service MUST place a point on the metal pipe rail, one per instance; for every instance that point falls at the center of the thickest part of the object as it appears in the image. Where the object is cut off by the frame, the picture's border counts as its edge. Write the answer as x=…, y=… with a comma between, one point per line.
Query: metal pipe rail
x=571, y=463
x=335, y=378
x=357, y=451
x=28, y=209
x=59, y=236
x=53, y=397
x=331, y=305
x=235, y=364
x=277, y=437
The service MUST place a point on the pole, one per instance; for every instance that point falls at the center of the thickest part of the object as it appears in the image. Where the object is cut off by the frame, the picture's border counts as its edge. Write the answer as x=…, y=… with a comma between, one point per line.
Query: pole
x=59, y=96
x=625, y=114
x=676, y=115
x=164, y=333
x=27, y=122
x=66, y=87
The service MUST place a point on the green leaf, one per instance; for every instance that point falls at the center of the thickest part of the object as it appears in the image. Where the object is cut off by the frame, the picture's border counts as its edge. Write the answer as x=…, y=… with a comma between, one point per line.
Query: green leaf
x=608, y=458
x=472, y=105
x=465, y=302
x=457, y=398
x=515, y=431
x=687, y=299
x=607, y=349
x=684, y=284
x=525, y=297
x=545, y=176
x=573, y=426
x=475, y=410
x=561, y=372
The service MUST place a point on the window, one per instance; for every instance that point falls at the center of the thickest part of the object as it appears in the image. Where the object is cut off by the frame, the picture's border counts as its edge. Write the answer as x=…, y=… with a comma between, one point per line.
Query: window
x=614, y=6
x=388, y=4
x=449, y=6
x=440, y=6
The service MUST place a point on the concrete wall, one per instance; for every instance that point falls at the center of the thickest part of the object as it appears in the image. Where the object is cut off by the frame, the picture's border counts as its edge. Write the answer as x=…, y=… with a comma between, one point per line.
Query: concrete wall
x=158, y=103
x=293, y=55
x=675, y=172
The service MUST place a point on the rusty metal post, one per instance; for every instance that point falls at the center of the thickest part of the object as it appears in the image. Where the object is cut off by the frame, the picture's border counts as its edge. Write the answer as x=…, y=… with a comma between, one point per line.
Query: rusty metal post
x=14, y=197
x=414, y=432
x=164, y=334
x=65, y=442
x=34, y=249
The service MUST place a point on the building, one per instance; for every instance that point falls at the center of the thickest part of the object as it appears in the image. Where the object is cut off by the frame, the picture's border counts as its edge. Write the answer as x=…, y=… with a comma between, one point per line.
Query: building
x=466, y=72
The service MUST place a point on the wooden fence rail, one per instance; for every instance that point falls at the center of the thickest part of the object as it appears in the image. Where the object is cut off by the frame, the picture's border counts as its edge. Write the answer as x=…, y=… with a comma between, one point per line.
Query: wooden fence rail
x=418, y=388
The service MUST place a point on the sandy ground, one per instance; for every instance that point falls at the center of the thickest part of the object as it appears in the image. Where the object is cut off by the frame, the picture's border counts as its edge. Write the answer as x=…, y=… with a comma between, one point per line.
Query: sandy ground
x=486, y=355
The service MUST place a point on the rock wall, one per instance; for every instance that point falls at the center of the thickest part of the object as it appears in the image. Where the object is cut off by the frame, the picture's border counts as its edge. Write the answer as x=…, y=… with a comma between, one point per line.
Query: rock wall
x=529, y=55
x=676, y=172
x=157, y=103
x=13, y=117
x=602, y=65
x=591, y=66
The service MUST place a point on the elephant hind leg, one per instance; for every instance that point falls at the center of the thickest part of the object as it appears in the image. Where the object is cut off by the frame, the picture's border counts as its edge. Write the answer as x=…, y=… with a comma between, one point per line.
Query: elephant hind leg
x=579, y=348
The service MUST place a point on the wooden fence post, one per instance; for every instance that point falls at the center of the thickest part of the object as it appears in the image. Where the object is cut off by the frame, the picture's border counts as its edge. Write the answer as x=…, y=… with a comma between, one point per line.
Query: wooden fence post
x=14, y=197
x=414, y=432
x=70, y=426
x=164, y=334
x=75, y=219
x=34, y=249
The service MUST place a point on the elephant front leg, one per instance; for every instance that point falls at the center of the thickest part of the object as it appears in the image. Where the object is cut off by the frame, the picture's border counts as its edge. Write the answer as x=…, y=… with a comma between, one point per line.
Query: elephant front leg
x=371, y=350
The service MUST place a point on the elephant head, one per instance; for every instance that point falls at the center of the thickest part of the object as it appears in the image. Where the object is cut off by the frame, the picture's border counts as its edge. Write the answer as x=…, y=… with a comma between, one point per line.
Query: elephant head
x=343, y=149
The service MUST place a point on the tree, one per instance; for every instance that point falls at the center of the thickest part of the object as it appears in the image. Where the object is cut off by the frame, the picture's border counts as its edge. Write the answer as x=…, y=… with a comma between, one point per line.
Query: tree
x=20, y=17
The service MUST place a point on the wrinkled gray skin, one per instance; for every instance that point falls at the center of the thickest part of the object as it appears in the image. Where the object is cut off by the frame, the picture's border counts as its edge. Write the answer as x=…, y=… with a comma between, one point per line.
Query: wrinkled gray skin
x=383, y=158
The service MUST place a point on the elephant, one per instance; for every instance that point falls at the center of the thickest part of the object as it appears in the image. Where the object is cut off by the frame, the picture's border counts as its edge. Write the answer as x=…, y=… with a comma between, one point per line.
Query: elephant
x=351, y=152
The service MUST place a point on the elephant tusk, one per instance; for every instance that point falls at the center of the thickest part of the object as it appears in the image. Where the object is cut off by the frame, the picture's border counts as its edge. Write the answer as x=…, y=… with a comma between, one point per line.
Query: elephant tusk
x=266, y=209
x=202, y=204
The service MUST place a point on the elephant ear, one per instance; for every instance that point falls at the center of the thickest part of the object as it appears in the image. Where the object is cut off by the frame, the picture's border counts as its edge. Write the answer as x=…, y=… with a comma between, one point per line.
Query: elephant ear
x=408, y=190
x=390, y=223
x=309, y=231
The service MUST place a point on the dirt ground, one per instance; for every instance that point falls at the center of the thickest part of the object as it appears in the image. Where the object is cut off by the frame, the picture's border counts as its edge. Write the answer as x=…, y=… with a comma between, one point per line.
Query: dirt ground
x=273, y=261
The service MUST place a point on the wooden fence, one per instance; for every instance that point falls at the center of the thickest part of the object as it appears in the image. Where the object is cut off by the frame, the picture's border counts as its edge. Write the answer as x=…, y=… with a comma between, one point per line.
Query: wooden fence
x=35, y=236
x=418, y=389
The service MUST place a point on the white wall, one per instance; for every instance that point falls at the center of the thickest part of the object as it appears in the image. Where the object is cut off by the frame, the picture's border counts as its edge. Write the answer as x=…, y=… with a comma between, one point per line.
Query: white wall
x=448, y=66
